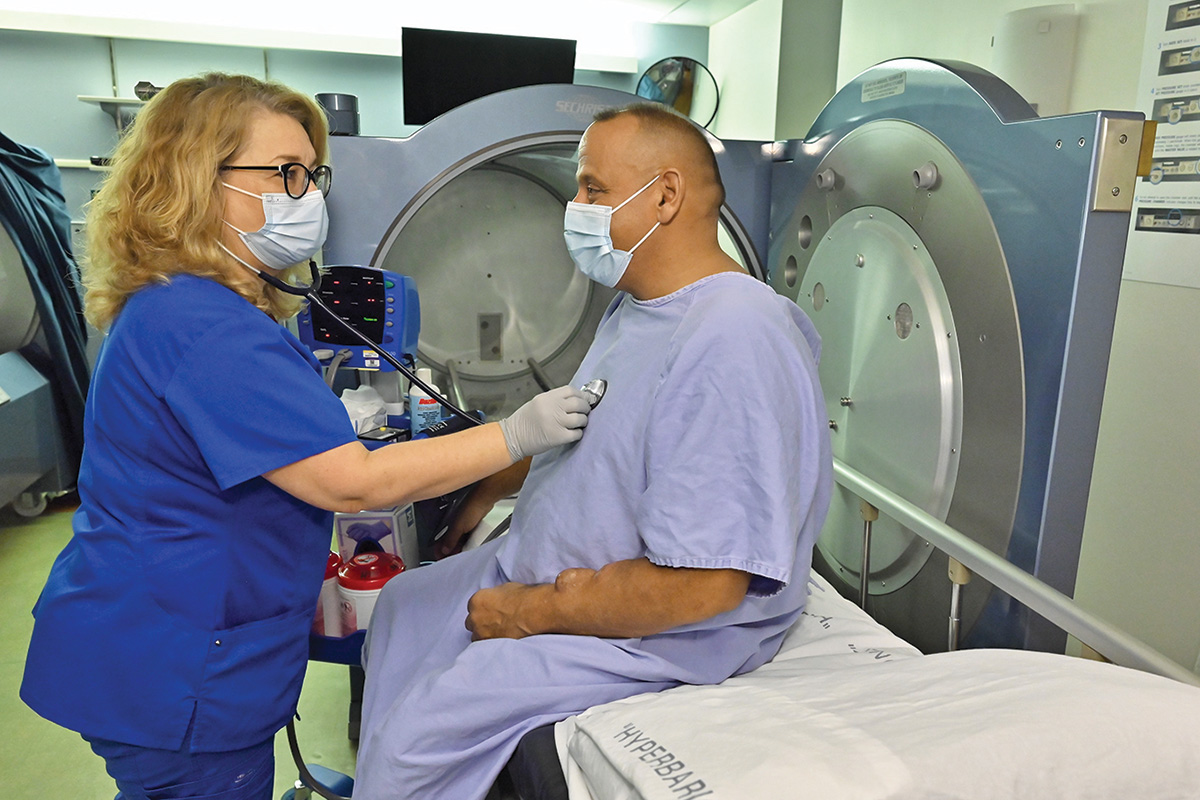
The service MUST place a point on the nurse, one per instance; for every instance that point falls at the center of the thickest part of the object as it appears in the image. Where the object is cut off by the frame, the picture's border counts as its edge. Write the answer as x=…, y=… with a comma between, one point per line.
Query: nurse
x=173, y=629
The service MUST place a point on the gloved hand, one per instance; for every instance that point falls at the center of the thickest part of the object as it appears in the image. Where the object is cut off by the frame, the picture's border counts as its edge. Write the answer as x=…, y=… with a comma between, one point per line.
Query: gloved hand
x=553, y=418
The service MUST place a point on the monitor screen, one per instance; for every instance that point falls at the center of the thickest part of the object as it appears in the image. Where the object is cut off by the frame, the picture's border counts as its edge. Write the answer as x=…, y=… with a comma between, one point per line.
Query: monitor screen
x=359, y=297
x=444, y=69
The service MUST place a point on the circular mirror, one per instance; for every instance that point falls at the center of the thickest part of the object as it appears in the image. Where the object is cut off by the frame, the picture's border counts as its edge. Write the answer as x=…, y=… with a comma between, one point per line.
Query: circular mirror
x=685, y=85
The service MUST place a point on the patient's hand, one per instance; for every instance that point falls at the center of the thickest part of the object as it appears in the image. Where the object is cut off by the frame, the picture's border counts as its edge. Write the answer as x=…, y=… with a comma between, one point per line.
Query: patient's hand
x=496, y=613
x=472, y=512
x=479, y=502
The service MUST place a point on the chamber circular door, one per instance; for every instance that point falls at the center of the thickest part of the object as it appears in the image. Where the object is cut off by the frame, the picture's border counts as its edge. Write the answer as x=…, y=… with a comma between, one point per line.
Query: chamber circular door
x=504, y=312
x=892, y=252
x=892, y=378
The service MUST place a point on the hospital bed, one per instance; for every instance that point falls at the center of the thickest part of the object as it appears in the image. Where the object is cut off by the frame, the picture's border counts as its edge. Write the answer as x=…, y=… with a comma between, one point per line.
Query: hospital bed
x=848, y=709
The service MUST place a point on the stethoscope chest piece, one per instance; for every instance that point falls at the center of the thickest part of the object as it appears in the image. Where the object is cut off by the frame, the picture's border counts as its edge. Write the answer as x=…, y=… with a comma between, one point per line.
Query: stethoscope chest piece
x=594, y=391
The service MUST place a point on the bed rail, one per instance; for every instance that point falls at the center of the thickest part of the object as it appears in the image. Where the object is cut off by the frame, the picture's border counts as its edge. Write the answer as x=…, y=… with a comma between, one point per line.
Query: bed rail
x=1112, y=643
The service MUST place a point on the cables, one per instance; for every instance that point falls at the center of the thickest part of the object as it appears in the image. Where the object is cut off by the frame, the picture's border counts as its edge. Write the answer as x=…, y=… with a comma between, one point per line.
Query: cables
x=310, y=292
x=306, y=776
x=331, y=371
x=405, y=371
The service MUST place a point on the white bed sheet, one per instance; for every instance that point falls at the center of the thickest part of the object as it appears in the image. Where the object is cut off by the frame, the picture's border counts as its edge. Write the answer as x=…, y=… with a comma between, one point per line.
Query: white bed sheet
x=847, y=710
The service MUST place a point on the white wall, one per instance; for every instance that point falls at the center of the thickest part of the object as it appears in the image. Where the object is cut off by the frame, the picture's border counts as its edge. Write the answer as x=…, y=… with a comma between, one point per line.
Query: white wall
x=776, y=65
x=44, y=72
x=743, y=55
x=1107, y=56
x=1140, y=564
x=1141, y=549
x=877, y=30
x=810, y=34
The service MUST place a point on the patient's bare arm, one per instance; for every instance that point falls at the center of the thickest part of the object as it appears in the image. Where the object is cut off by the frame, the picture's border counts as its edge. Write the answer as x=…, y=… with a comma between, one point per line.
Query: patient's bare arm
x=479, y=502
x=624, y=599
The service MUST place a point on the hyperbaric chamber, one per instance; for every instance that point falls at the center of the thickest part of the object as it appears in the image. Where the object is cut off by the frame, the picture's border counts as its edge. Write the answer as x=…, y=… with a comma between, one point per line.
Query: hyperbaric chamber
x=471, y=206
x=955, y=252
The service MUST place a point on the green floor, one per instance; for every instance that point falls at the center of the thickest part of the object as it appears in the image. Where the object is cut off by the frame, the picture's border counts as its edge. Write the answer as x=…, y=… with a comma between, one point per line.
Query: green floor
x=41, y=761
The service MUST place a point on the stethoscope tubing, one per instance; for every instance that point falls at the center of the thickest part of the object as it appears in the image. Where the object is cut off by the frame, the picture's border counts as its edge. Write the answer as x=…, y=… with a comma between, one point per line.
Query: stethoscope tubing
x=310, y=293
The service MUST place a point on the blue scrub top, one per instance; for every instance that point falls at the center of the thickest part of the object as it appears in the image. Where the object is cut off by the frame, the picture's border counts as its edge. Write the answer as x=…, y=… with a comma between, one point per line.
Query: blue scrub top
x=187, y=592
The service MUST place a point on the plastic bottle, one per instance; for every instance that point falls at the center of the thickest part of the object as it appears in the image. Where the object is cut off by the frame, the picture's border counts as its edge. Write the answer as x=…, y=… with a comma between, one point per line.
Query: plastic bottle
x=328, y=621
x=359, y=583
x=423, y=410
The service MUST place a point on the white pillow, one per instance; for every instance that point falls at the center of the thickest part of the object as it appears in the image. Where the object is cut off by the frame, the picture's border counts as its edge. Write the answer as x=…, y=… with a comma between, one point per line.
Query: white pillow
x=828, y=720
x=831, y=625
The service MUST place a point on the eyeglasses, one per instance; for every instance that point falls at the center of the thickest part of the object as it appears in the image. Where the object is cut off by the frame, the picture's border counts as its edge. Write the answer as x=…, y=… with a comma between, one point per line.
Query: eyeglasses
x=297, y=177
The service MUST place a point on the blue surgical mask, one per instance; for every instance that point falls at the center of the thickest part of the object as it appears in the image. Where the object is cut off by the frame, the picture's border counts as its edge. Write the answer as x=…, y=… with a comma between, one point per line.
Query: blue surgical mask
x=293, y=232
x=587, y=229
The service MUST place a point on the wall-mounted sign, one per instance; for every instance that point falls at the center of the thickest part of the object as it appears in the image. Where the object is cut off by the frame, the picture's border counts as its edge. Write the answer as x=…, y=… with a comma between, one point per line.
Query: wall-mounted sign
x=1164, y=236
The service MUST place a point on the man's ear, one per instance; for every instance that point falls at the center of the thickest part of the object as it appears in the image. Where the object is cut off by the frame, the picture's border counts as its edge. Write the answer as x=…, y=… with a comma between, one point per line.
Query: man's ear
x=670, y=193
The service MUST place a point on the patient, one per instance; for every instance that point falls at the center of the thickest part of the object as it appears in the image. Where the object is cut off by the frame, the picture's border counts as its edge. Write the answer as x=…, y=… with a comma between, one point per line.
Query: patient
x=671, y=545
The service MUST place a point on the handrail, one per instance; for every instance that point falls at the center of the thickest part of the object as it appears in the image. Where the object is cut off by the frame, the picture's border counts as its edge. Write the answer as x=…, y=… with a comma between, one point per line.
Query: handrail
x=1114, y=644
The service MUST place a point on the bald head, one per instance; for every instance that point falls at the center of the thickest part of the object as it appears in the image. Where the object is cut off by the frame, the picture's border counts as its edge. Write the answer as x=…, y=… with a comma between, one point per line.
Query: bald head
x=666, y=139
x=658, y=174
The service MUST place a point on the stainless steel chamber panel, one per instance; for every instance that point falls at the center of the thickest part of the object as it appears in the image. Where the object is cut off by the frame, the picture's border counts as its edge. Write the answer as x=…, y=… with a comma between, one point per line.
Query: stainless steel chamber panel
x=18, y=311
x=32, y=459
x=960, y=259
x=471, y=206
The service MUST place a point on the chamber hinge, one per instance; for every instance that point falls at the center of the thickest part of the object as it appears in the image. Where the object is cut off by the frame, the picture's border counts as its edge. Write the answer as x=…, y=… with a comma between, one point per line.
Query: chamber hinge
x=1122, y=142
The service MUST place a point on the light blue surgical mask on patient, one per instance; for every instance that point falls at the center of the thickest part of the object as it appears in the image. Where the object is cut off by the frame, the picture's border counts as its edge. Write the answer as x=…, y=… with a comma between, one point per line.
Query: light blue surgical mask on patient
x=587, y=230
x=293, y=232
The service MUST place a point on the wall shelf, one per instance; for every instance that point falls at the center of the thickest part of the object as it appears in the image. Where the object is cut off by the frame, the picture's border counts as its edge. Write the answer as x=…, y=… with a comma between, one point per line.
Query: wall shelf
x=121, y=109
x=80, y=163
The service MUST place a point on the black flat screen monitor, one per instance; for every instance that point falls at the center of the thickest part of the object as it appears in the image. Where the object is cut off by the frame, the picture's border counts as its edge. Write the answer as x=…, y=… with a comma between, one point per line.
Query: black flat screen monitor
x=444, y=69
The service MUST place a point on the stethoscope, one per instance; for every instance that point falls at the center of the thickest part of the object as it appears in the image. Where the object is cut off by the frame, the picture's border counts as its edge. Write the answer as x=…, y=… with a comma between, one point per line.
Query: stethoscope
x=593, y=390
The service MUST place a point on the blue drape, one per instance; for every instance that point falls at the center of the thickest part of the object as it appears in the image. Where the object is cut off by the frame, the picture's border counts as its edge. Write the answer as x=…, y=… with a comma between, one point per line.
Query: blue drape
x=34, y=213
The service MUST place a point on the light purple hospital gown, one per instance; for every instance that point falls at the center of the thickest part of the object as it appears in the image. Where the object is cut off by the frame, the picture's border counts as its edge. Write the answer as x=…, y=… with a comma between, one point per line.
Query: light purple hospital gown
x=710, y=450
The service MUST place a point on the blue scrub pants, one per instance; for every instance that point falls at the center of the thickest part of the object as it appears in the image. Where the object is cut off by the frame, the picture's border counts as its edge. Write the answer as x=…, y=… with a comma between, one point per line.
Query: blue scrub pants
x=143, y=773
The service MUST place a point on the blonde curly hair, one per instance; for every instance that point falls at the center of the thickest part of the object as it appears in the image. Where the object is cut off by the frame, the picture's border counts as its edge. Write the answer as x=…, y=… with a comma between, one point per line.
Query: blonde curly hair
x=159, y=211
